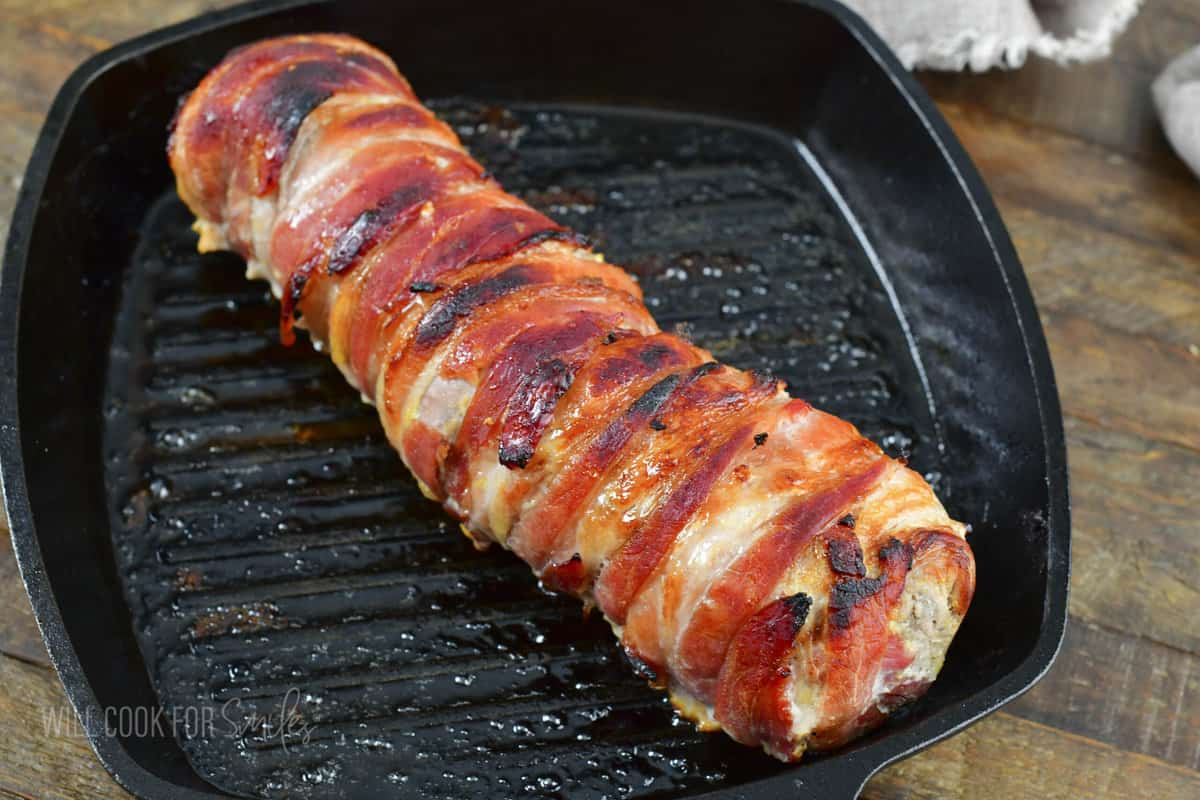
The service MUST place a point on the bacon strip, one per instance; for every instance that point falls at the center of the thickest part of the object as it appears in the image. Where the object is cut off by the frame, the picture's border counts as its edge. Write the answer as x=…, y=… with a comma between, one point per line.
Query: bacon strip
x=772, y=569
x=750, y=580
x=752, y=699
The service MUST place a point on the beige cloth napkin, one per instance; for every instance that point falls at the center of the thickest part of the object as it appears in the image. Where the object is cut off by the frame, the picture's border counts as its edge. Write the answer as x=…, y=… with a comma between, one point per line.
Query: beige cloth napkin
x=1177, y=96
x=981, y=34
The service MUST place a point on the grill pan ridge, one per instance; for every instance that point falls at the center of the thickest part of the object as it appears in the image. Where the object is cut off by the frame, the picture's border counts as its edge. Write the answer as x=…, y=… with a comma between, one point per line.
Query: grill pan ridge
x=312, y=626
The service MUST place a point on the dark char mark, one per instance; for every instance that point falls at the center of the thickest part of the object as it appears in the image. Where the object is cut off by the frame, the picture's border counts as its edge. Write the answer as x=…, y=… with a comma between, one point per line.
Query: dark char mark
x=290, y=302
x=370, y=226
x=440, y=320
x=296, y=93
x=849, y=592
x=798, y=605
x=656, y=395
x=539, y=396
x=846, y=558
x=897, y=549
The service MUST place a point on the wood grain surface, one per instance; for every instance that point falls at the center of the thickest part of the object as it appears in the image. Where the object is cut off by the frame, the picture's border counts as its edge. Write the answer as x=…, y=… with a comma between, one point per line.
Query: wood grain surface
x=1107, y=223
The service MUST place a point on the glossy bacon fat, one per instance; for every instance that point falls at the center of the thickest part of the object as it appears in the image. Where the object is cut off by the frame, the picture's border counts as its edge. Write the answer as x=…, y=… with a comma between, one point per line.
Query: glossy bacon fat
x=772, y=569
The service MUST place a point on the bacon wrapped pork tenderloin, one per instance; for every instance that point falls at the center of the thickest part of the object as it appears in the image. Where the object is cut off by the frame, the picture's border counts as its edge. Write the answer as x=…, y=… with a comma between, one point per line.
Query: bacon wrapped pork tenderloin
x=772, y=569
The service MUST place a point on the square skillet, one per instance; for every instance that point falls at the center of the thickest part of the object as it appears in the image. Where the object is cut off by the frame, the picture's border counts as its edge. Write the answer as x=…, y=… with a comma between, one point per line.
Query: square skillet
x=786, y=128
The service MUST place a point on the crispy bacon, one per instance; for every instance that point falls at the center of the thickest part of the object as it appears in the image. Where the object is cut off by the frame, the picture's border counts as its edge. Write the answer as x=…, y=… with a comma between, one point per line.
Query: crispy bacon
x=752, y=696
x=750, y=580
x=759, y=559
x=506, y=384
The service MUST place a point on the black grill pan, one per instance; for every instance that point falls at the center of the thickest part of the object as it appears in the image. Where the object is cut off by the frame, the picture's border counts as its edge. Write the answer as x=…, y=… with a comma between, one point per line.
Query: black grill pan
x=213, y=526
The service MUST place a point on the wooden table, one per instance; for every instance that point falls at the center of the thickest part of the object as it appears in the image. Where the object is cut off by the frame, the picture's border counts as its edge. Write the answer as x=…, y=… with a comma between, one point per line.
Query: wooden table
x=1107, y=222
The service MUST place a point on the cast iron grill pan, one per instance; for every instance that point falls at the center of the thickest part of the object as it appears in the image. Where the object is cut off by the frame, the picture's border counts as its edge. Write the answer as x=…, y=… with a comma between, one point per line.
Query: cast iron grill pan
x=285, y=574
x=210, y=523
